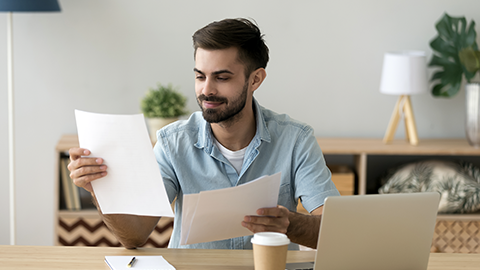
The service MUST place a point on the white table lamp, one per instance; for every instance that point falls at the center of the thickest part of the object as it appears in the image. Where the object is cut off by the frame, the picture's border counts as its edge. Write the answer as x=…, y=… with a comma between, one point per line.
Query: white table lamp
x=404, y=73
x=11, y=6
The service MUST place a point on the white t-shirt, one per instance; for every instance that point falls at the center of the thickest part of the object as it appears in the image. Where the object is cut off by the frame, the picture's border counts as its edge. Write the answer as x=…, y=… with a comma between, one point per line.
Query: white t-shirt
x=235, y=157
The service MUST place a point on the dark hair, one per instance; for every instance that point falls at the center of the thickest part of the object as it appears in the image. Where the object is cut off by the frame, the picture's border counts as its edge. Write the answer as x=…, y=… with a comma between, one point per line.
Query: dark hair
x=239, y=33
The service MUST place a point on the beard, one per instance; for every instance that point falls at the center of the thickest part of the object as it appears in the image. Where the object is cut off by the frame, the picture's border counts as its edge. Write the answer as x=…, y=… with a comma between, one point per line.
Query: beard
x=231, y=110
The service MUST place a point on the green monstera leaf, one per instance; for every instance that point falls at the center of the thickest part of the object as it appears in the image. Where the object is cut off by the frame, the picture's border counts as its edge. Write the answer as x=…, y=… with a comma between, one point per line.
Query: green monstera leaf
x=470, y=59
x=454, y=36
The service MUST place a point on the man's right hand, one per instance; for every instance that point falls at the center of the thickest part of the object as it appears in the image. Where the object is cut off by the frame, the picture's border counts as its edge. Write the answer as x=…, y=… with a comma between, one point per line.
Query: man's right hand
x=131, y=230
x=83, y=170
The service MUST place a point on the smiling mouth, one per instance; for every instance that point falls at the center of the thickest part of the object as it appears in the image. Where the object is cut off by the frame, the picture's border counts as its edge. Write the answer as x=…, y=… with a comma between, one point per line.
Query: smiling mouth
x=211, y=105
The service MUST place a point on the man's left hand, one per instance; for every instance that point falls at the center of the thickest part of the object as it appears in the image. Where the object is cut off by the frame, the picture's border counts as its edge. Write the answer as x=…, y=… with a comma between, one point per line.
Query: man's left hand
x=268, y=220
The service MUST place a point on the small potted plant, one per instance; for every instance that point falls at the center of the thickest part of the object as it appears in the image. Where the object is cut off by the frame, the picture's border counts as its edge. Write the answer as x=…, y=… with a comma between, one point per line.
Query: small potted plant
x=161, y=106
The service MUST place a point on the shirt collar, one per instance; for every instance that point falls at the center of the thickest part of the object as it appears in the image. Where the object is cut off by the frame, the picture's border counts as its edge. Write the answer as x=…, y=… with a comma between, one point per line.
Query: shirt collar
x=262, y=130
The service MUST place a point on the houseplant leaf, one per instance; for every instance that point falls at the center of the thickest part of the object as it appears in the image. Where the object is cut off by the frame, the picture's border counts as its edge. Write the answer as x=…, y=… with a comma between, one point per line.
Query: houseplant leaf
x=453, y=36
x=471, y=36
x=163, y=101
x=442, y=47
x=470, y=59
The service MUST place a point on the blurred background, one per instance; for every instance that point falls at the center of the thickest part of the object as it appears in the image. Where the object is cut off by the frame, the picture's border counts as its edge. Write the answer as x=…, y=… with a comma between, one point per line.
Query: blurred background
x=104, y=55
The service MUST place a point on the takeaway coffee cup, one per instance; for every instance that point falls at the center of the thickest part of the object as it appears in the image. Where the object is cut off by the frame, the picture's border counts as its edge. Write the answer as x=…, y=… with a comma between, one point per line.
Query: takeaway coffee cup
x=270, y=250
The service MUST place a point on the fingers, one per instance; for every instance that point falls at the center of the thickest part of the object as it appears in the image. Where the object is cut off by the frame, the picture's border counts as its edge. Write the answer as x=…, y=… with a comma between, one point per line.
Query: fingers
x=274, y=211
x=84, y=170
x=82, y=176
x=76, y=153
x=268, y=220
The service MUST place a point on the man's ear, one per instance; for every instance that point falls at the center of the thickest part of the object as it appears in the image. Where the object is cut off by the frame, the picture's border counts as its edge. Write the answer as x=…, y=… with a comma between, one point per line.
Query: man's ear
x=257, y=77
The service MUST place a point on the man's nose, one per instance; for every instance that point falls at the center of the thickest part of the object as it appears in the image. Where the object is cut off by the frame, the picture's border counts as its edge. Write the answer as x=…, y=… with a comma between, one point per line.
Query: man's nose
x=209, y=88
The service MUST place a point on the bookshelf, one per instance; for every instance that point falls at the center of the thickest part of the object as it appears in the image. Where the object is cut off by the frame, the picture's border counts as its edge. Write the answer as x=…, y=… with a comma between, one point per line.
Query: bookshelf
x=367, y=158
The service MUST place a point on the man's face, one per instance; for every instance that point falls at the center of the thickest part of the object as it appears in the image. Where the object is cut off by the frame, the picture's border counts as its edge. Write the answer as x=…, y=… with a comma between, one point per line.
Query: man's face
x=220, y=84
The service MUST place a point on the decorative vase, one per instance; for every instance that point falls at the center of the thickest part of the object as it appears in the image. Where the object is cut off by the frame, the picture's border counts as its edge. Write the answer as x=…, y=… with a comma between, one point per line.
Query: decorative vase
x=472, y=118
x=157, y=123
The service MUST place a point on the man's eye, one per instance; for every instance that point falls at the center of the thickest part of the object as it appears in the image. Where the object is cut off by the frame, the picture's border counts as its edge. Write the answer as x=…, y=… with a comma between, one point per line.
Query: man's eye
x=199, y=77
x=222, y=78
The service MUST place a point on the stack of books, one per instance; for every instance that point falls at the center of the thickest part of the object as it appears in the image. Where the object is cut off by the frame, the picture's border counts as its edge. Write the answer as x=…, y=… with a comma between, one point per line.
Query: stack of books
x=72, y=197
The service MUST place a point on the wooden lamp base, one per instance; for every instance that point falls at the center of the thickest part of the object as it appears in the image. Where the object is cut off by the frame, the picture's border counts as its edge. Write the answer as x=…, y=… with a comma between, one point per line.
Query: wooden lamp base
x=405, y=105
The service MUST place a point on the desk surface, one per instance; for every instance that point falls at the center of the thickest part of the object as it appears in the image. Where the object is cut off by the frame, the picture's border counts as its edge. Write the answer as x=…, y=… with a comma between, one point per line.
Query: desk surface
x=42, y=257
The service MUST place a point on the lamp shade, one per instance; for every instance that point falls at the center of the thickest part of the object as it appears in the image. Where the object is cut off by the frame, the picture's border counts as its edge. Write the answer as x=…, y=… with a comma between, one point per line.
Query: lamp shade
x=404, y=73
x=29, y=5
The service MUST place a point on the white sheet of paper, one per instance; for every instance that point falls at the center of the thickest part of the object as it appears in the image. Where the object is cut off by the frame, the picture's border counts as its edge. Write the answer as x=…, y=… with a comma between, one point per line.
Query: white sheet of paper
x=141, y=263
x=190, y=203
x=133, y=184
x=217, y=214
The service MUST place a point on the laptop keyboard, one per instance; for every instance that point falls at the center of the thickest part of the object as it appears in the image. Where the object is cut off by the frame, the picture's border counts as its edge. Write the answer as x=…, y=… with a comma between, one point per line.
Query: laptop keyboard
x=299, y=266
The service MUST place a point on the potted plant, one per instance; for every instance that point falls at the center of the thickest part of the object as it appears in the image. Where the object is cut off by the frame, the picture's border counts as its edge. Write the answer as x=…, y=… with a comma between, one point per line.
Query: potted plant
x=456, y=55
x=453, y=47
x=161, y=106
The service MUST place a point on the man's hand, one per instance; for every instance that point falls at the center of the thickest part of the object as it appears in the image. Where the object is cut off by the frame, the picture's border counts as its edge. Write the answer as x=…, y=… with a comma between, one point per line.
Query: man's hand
x=84, y=170
x=268, y=220
x=301, y=229
x=131, y=230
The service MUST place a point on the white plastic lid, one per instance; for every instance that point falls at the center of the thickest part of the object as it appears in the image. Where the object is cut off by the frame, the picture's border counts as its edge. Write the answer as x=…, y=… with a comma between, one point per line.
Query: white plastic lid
x=270, y=239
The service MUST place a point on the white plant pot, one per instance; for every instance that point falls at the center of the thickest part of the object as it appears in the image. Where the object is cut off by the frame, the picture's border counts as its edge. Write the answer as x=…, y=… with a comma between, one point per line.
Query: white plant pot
x=472, y=123
x=157, y=123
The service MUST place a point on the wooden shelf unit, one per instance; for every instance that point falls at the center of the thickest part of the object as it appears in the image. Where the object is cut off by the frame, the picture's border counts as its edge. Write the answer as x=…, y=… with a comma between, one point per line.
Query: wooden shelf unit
x=361, y=149
x=453, y=233
x=450, y=229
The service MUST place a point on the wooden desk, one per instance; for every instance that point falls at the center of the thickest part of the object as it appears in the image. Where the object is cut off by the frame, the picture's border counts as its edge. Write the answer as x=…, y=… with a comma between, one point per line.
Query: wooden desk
x=92, y=258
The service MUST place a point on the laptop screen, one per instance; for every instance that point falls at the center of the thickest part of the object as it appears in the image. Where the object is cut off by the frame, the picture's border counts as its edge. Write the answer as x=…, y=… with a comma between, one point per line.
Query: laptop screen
x=375, y=232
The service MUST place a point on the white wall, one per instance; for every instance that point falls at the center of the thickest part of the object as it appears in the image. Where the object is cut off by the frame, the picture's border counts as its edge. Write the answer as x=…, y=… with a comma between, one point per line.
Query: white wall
x=103, y=55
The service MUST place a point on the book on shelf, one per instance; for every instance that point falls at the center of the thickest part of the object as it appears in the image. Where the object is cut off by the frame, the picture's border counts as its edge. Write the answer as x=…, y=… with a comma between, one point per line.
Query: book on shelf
x=72, y=197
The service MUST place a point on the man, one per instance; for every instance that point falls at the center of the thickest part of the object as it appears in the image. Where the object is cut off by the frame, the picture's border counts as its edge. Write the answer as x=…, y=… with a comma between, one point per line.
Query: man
x=233, y=140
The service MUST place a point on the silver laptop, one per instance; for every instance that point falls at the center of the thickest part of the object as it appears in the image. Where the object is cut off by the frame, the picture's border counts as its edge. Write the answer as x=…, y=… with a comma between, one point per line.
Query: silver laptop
x=387, y=232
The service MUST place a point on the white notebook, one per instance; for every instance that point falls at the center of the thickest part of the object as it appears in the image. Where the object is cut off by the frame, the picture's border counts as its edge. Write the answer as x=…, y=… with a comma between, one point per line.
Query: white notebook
x=141, y=263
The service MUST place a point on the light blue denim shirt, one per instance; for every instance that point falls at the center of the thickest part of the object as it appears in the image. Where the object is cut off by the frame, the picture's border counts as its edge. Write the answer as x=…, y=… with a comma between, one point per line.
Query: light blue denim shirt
x=190, y=162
